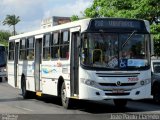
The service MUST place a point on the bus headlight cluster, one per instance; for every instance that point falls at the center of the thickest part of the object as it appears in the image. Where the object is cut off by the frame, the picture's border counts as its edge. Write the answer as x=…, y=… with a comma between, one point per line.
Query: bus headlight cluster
x=3, y=70
x=144, y=82
x=88, y=82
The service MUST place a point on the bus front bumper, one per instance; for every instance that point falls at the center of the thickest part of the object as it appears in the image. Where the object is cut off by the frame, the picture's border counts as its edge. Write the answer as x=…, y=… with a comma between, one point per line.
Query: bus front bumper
x=91, y=93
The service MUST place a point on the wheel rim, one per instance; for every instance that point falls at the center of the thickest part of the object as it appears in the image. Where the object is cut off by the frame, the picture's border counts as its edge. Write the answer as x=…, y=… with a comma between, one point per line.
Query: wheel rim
x=63, y=95
x=23, y=87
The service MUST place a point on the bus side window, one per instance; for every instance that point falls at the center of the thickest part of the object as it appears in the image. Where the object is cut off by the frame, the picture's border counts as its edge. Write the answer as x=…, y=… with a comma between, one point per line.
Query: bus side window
x=30, y=48
x=22, y=55
x=46, y=47
x=11, y=51
x=55, y=45
x=64, y=45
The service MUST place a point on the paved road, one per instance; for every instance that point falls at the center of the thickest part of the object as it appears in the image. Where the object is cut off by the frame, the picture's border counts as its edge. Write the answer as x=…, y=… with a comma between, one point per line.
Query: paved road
x=12, y=105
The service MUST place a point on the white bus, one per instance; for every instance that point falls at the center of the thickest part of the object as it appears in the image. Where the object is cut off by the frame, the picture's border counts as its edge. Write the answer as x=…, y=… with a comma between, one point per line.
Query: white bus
x=90, y=59
x=3, y=58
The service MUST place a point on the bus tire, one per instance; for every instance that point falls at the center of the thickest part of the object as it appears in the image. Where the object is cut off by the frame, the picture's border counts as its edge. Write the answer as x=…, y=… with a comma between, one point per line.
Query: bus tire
x=156, y=93
x=25, y=93
x=120, y=102
x=66, y=102
x=0, y=79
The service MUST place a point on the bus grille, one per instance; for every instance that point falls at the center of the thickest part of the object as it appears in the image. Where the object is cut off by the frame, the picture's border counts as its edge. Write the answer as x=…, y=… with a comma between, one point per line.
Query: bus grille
x=114, y=84
x=117, y=74
x=117, y=94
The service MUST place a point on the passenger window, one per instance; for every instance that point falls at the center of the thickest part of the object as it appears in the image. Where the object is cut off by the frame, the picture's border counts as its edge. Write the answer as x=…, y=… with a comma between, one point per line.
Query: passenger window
x=55, y=52
x=64, y=46
x=30, y=48
x=46, y=47
x=22, y=53
x=64, y=51
x=55, y=39
x=55, y=46
x=11, y=50
x=23, y=44
x=47, y=40
x=65, y=36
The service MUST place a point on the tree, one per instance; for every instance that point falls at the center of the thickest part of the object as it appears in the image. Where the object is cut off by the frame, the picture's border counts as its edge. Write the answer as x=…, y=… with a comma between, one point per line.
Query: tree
x=11, y=20
x=4, y=36
x=155, y=30
x=148, y=9
x=74, y=18
x=107, y=8
x=139, y=9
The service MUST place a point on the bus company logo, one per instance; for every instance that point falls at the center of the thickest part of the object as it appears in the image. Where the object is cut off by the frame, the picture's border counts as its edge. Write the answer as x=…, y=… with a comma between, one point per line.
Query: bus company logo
x=59, y=64
x=118, y=83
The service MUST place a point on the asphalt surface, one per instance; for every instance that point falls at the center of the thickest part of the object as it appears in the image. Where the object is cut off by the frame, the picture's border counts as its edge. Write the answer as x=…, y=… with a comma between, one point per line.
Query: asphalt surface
x=14, y=107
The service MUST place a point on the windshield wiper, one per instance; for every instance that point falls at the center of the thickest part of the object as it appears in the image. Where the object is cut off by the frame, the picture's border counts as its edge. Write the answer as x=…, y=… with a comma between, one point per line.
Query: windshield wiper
x=128, y=38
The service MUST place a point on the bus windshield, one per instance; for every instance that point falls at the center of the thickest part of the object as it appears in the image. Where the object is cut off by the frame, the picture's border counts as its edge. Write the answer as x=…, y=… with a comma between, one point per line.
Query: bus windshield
x=2, y=56
x=115, y=50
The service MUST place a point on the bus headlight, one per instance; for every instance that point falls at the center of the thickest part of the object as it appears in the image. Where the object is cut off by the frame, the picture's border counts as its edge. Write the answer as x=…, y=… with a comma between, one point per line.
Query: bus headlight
x=144, y=82
x=3, y=69
x=88, y=82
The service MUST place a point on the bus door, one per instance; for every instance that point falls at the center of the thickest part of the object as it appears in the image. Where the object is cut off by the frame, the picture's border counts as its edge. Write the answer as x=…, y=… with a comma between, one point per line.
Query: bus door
x=37, y=64
x=74, y=67
x=16, y=63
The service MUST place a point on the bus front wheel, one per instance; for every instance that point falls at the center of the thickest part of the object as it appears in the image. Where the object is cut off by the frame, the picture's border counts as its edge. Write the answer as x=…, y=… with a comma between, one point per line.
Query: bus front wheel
x=120, y=102
x=25, y=93
x=66, y=102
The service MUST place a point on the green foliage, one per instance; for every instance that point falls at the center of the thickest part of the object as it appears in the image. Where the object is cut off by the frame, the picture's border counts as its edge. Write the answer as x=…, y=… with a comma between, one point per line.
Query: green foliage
x=4, y=42
x=139, y=9
x=11, y=20
x=4, y=36
x=155, y=30
x=74, y=18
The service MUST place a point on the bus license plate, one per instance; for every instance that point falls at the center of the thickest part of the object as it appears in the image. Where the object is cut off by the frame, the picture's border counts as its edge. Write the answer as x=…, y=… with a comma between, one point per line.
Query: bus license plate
x=118, y=91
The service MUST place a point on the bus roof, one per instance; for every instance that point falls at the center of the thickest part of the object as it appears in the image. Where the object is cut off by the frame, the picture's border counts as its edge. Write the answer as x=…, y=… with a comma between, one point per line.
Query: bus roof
x=83, y=23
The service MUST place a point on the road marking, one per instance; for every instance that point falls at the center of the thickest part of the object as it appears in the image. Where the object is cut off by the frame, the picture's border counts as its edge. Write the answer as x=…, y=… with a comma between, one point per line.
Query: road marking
x=24, y=108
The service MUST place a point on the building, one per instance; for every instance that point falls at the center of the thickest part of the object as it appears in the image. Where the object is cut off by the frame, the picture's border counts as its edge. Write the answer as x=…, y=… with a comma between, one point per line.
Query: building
x=53, y=21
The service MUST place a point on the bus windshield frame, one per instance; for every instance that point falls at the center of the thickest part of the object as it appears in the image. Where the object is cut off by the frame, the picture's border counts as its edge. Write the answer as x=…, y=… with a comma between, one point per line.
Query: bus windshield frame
x=115, y=51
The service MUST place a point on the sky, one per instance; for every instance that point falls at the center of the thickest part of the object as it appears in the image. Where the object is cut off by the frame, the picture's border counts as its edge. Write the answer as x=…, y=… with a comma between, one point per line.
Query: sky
x=32, y=12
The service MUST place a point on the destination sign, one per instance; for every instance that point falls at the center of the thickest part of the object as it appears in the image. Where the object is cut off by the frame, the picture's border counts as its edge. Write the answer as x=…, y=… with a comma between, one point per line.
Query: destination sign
x=108, y=23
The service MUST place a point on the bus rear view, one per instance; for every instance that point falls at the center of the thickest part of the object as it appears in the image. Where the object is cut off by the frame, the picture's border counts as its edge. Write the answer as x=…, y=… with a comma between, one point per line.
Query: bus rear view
x=3, y=73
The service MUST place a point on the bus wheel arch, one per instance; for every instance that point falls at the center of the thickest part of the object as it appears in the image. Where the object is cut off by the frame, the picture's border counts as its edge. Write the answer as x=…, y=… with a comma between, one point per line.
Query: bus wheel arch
x=23, y=86
x=66, y=102
x=25, y=92
x=22, y=80
x=59, y=85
